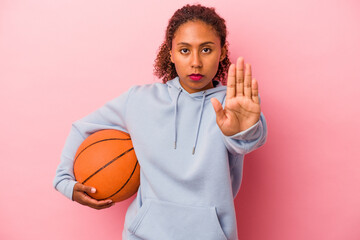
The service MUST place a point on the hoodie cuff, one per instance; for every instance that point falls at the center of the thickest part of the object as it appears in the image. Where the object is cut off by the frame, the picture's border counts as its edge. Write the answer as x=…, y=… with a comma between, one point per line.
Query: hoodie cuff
x=248, y=134
x=66, y=187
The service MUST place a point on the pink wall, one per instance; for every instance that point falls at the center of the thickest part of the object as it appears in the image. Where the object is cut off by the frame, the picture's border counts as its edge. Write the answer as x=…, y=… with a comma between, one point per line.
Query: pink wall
x=60, y=60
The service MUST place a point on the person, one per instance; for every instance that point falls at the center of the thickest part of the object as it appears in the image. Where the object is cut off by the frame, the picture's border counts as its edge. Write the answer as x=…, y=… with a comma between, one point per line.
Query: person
x=190, y=133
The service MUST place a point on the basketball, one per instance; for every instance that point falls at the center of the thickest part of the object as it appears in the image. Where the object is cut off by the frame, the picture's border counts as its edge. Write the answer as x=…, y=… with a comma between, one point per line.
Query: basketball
x=106, y=160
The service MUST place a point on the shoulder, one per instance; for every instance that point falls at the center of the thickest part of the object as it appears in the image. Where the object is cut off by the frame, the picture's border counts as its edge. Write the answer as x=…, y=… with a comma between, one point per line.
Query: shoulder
x=148, y=88
x=146, y=91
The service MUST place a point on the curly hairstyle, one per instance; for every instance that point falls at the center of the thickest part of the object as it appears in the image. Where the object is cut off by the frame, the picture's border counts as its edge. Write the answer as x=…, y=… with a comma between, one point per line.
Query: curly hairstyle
x=163, y=67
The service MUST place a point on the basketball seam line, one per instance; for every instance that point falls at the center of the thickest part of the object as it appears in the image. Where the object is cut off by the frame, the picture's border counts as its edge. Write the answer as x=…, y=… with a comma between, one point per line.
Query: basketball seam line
x=107, y=164
x=122, y=185
x=99, y=142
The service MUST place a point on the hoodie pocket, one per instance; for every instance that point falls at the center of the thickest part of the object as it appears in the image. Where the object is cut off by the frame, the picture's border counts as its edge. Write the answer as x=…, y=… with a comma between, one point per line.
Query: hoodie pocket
x=165, y=220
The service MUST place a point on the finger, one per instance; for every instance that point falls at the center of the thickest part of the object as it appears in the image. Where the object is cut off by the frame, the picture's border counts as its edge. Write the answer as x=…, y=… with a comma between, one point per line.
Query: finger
x=89, y=189
x=103, y=205
x=255, y=91
x=107, y=206
x=230, y=93
x=247, y=81
x=220, y=115
x=83, y=188
x=240, y=76
x=91, y=202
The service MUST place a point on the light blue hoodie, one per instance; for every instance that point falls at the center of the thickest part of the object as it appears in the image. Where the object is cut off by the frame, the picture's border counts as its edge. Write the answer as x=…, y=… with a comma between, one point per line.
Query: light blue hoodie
x=190, y=172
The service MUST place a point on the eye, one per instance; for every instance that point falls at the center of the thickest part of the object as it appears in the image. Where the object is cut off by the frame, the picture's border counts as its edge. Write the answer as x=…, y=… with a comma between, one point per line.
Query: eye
x=184, y=50
x=206, y=50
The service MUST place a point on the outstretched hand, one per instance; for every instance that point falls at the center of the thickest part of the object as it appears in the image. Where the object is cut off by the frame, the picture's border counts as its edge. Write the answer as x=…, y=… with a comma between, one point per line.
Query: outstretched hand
x=242, y=106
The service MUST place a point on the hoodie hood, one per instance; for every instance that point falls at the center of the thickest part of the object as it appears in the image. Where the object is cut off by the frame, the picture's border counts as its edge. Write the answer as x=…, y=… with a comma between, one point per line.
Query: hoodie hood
x=175, y=83
x=175, y=90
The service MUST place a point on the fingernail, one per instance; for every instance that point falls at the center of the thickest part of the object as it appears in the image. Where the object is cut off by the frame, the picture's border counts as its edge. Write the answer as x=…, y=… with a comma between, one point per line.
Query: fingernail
x=93, y=190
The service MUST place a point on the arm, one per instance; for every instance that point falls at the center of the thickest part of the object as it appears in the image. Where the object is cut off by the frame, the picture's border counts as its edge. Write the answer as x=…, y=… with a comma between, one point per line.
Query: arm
x=111, y=116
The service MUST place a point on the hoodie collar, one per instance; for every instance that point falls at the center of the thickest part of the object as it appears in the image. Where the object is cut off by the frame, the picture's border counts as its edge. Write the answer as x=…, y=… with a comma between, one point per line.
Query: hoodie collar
x=201, y=95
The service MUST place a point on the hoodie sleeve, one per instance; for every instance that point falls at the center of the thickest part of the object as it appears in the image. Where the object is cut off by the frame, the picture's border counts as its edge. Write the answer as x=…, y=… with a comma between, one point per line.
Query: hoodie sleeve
x=110, y=116
x=248, y=140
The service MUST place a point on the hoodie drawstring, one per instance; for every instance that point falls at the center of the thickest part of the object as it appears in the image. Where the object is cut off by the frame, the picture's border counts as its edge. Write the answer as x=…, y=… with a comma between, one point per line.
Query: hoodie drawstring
x=176, y=105
x=199, y=121
x=198, y=126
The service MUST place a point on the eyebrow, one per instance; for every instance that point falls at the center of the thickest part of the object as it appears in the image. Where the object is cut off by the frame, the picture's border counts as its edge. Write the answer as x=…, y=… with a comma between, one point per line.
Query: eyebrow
x=204, y=43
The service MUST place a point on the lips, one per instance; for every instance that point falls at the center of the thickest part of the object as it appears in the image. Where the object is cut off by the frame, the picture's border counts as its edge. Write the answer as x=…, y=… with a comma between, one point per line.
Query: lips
x=196, y=77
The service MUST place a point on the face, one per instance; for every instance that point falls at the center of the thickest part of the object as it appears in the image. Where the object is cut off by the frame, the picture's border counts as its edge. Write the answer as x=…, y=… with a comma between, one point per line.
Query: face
x=196, y=52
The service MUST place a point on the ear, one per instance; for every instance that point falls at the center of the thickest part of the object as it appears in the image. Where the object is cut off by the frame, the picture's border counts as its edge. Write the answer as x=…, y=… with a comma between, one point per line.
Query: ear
x=223, y=53
x=171, y=58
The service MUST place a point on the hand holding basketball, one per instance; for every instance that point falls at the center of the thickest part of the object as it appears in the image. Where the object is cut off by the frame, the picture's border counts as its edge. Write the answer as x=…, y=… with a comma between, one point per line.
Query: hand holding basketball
x=80, y=195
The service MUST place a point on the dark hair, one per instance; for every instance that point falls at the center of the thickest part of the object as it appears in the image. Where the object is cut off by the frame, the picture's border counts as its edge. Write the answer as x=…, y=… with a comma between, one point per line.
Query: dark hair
x=163, y=67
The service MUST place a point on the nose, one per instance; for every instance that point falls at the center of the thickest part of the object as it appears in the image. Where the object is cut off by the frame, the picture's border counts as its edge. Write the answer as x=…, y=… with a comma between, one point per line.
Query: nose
x=196, y=61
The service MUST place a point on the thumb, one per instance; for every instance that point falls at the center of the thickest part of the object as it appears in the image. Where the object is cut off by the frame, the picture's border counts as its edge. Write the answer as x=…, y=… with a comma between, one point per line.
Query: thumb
x=220, y=115
x=87, y=189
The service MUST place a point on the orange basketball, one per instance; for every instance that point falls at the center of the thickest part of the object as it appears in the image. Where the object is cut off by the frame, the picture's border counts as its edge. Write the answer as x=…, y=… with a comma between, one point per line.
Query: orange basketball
x=106, y=160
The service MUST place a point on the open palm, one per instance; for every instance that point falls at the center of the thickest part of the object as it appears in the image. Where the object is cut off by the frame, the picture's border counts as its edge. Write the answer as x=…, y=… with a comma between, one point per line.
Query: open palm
x=242, y=106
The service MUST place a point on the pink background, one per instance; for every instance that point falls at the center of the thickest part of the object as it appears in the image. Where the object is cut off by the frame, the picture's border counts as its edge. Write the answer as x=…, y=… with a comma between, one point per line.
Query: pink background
x=60, y=60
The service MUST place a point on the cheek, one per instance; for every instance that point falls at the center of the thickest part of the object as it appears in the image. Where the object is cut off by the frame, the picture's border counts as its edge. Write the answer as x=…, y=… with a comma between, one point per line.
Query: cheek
x=180, y=68
x=179, y=62
x=214, y=62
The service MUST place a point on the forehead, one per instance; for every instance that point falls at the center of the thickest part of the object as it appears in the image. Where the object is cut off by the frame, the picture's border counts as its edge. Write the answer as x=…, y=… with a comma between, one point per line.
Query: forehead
x=195, y=33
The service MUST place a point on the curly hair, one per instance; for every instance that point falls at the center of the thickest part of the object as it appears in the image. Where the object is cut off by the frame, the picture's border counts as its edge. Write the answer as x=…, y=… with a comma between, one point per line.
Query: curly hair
x=163, y=67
